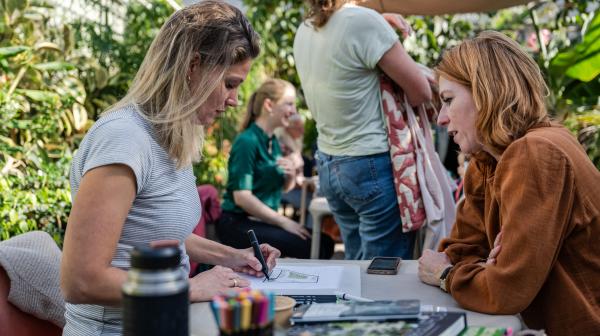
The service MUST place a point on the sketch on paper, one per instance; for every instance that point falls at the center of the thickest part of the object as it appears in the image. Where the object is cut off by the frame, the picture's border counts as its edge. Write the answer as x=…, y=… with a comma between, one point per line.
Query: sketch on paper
x=283, y=275
x=308, y=279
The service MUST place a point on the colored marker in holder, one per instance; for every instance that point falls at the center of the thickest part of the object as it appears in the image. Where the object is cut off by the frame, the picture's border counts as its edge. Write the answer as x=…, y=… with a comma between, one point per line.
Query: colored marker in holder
x=244, y=313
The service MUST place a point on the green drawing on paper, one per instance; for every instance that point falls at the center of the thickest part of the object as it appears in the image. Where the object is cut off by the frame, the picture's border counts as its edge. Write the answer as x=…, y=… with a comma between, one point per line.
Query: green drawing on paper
x=283, y=275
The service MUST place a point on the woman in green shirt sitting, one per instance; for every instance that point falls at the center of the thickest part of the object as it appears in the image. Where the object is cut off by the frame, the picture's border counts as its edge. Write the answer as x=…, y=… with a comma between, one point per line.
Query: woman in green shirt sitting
x=258, y=173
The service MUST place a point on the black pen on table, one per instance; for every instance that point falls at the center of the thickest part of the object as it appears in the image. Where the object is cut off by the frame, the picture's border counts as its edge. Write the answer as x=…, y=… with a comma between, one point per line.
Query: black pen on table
x=257, y=253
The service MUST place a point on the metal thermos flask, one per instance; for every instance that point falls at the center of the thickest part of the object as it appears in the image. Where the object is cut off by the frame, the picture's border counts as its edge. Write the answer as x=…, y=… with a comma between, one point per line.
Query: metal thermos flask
x=155, y=295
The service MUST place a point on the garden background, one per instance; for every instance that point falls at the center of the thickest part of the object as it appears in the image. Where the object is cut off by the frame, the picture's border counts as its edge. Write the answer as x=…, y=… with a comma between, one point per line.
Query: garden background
x=60, y=70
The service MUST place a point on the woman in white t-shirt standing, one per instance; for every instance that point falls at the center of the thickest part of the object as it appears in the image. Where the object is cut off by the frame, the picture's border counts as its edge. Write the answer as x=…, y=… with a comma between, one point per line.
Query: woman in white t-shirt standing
x=340, y=51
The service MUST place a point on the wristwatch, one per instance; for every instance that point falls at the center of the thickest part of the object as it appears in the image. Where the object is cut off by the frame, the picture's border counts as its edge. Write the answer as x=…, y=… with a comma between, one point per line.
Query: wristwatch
x=444, y=277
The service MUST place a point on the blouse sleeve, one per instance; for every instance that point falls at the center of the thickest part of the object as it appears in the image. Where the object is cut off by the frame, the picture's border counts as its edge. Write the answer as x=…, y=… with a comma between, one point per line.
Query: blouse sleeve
x=370, y=37
x=119, y=142
x=535, y=191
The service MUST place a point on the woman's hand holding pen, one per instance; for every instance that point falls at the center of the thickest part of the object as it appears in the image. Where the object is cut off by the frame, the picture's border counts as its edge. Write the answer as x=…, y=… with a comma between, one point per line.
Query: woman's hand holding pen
x=244, y=260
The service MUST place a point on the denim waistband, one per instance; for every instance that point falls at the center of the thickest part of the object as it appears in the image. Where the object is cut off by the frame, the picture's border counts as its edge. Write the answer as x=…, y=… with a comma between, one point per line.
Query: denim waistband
x=327, y=157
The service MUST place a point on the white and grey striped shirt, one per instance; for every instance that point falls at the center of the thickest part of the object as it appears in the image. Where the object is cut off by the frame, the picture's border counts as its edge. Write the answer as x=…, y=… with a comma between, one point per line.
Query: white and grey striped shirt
x=166, y=205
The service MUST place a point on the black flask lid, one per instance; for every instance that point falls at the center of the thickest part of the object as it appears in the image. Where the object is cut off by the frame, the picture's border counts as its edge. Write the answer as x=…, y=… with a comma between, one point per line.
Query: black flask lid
x=150, y=258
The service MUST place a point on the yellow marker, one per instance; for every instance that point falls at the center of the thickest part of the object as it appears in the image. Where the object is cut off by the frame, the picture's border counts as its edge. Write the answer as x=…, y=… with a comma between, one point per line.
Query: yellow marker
x=246, y=313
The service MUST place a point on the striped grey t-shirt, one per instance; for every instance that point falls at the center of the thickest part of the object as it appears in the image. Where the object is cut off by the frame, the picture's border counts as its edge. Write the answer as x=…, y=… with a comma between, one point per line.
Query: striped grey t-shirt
x=166, y=205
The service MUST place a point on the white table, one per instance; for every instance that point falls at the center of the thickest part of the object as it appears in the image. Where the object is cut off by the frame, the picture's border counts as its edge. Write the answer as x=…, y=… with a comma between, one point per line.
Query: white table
x=404, y=285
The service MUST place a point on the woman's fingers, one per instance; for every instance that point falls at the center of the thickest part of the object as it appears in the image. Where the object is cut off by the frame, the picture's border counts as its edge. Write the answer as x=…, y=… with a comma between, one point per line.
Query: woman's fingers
x=229, y=278
x=491, y=260
x=498, y=239
x=242, y=282
x=237, y=282
x=271, y=253
x=302, y=232
x=305, y=232
x=398, y=22
x=495, y=251
x=224, y=273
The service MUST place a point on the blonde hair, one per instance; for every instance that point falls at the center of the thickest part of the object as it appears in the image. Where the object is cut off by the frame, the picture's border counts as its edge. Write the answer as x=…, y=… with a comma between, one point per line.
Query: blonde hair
x=272, y=89
x=215, y=34
x=506, y=83
x=319, y=11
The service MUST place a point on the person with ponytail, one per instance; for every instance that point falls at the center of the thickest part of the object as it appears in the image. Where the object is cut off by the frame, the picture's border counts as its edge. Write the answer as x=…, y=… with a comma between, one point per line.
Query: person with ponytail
x=258, y=173
x=341, y=50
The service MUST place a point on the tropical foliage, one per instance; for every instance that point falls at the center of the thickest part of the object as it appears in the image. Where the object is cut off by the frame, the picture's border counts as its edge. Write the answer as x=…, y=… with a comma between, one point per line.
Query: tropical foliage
x=563, y=36
x=58, y=74
x=42, y=117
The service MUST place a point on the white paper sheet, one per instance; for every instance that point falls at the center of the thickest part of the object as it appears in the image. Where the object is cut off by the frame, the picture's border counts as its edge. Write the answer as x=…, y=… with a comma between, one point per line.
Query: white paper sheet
x=298, y=279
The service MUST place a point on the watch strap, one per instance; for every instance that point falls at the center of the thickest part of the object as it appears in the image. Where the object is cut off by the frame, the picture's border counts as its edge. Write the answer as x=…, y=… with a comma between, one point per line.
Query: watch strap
x=444, y=277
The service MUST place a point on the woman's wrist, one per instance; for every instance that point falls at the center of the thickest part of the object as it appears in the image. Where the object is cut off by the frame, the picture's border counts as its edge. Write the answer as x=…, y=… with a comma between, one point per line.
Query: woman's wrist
x=281, y=220
x=220, y=254
x=230, y=255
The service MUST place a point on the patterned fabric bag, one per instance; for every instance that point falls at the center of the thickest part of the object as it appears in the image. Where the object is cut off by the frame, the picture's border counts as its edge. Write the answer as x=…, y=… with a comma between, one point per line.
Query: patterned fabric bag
x=422, y=185
x=402, y=151
x=435, y=183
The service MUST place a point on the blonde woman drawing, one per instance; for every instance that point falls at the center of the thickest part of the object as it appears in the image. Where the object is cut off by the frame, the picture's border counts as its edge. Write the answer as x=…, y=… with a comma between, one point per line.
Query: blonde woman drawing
x=132, y=180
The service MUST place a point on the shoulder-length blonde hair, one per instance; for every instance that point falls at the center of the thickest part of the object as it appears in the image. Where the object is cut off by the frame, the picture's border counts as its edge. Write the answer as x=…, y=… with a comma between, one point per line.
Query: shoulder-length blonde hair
x=272, y=89
x=507, y=86
x=319, y=11
x=213, y=31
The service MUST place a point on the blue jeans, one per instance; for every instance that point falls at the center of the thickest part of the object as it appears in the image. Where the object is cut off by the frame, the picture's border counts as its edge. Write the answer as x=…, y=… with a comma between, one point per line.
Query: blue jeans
x=361, y=195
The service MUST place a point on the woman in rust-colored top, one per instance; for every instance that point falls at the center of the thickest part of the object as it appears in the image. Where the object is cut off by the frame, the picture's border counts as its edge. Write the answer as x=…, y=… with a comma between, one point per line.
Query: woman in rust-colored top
x=526, y=236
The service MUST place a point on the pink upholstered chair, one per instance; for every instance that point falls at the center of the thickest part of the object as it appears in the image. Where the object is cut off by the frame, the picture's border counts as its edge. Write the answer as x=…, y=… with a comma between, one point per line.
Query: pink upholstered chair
x=211, y=212
x=13, y=321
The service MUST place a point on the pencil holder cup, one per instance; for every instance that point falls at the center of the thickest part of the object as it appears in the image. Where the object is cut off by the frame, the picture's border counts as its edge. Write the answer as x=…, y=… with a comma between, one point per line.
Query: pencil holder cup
x=284, y=307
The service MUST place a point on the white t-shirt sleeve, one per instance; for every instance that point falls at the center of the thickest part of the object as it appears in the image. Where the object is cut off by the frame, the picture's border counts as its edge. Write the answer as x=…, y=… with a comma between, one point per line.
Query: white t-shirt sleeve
x=370, y=37
x=120, y=142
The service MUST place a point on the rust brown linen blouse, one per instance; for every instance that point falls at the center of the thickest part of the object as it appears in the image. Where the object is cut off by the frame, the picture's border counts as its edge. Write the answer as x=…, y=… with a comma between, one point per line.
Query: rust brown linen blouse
x=544, y=194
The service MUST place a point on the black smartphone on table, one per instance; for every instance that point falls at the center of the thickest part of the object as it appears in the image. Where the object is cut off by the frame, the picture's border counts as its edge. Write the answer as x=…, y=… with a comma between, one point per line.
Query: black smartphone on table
x=384, y=265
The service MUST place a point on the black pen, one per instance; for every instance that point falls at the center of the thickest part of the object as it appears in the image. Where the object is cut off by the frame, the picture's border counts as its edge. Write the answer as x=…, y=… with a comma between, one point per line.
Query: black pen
x=257, y=253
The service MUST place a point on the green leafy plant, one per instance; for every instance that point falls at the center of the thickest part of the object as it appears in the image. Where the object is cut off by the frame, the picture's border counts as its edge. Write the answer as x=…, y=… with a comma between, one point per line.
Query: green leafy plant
x=55, y=79
x=569, y=55
x=117, y=56
x=42, y=118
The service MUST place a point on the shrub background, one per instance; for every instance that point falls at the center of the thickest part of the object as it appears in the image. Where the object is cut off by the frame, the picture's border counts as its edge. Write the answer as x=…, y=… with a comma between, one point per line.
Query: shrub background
x=57, y=75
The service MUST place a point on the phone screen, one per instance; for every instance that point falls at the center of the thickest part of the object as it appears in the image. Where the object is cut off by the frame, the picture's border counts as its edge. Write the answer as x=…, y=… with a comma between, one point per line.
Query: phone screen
x=384, y=264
